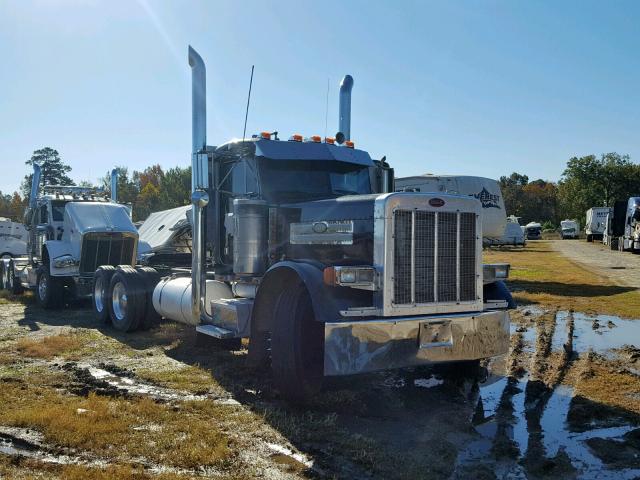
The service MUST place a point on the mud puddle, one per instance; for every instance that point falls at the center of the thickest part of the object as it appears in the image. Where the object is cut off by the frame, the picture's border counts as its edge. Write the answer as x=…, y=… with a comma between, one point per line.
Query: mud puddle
x=528, y=429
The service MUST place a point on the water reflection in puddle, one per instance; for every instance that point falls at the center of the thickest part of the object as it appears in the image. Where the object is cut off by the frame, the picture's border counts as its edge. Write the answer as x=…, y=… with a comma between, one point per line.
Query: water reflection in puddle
x=517, y=426
x=601, y=333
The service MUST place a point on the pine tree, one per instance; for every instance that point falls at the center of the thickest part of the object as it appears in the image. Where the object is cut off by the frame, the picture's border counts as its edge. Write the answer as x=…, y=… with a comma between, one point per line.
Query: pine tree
x=54, y=170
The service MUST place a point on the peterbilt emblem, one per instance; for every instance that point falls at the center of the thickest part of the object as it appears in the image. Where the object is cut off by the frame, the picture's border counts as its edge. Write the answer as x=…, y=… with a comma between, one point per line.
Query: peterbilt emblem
x=487, y=199
x=436, y=202
x=320, y=227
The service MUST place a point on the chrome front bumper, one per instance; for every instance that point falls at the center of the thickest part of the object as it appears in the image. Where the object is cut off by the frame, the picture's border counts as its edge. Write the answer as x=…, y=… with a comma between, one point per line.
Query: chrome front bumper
x=363, y=346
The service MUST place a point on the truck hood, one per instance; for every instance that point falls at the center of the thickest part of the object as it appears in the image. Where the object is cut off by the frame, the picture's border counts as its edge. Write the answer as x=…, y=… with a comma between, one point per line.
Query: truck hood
x=85, y=217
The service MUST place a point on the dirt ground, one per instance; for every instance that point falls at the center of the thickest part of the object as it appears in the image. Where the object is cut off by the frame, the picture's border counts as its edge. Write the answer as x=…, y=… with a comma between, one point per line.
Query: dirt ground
x=80, y=400
x=621, y=268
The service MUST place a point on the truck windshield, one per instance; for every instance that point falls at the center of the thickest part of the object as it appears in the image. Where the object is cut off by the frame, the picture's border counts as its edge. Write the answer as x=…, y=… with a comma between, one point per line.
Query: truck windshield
x=284, y=181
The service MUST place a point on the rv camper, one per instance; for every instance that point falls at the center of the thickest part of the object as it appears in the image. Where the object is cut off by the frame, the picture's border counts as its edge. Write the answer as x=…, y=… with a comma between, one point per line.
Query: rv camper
x=513, y=233
x=486, y=190
x=569, y=229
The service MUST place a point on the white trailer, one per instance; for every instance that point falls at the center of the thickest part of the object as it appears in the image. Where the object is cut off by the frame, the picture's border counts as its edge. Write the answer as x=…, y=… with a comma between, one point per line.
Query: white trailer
x=596, y=223
x=569, y=229
x=513, y=233
x=486, y=190
x=533, y=231
x=13, y=239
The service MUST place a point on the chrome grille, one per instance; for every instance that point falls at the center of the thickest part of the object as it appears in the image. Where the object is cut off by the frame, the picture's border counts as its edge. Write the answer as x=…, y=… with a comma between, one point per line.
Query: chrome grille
x=434, y=257
x=105, y=249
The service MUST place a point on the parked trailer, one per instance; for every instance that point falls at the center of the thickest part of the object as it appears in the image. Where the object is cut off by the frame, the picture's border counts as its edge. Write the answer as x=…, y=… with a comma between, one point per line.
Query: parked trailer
x=630, y=240
x=569, y=229
x=302, y=247
x=72, y=230
x=513, y=233
x=596, y=223
x=616, y=220
x=13, y=239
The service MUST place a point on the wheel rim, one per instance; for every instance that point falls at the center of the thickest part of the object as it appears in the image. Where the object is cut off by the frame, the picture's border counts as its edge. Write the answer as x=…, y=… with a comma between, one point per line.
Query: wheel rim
x=98, y=294
x=43, y=286
x=119, y=301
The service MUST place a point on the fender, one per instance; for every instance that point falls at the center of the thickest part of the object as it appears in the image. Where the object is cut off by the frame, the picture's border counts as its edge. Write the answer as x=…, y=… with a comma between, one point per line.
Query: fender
x=499, y=291
x=55, y=249
x=327, y=301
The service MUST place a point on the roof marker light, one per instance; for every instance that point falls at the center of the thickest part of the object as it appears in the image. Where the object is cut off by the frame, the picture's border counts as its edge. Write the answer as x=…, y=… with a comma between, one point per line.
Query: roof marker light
x=315, y=138
x=296, y=137
x=265, y=135
x=330, y=140
x=349, y=144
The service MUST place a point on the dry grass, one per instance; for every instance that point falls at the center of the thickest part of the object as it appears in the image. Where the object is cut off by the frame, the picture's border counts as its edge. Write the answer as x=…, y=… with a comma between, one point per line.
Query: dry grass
x=180, y=436
x=65, y=345
x=540, y=275
x=192, y=379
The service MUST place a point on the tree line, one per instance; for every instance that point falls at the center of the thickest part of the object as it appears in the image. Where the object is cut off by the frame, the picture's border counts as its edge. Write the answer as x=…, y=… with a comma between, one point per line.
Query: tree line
x=586, y=182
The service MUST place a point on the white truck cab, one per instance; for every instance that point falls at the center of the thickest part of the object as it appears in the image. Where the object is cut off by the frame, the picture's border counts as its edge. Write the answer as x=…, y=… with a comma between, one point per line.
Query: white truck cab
x=71, y=230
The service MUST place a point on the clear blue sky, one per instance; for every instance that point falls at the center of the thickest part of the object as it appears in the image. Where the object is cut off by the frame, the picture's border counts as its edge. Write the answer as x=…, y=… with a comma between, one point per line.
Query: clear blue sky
x=482, y=88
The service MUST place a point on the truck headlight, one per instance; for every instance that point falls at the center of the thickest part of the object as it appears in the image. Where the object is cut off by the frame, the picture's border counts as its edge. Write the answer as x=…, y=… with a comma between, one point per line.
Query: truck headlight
x=495, y=271
x=64, y=261
x=363, y=278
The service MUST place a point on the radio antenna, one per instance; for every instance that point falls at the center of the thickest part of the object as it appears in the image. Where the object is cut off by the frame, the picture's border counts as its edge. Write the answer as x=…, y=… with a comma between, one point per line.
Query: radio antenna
x=326, y=110
x=246, y=114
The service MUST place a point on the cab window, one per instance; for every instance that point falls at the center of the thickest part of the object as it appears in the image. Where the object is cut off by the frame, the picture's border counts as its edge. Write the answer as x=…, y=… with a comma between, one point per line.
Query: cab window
x=57, y=211
x=44, y=218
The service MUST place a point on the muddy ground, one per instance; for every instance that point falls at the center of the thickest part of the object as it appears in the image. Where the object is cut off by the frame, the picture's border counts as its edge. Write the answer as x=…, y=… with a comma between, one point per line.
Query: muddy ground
x=80, y=400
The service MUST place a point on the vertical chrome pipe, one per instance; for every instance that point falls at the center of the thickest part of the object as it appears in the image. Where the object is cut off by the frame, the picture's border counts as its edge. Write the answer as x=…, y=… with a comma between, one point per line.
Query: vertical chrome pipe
x=114, y=185
x=199, y=180
x=35, y=184
x=344, y=120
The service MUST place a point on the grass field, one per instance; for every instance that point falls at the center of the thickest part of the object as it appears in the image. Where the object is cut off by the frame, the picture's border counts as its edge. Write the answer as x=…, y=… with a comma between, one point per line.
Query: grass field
x=541, y=276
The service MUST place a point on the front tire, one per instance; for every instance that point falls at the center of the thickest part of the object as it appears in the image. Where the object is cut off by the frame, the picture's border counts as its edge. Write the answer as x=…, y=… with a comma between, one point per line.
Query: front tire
x=126, y=307
x=49, y=290
x=297, y=345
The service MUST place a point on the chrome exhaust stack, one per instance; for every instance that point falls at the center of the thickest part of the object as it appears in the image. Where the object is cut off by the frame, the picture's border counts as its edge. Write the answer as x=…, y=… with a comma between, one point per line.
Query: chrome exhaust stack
x=35, y=184
x=199, y=181
x=344, y=120
x=114, y=185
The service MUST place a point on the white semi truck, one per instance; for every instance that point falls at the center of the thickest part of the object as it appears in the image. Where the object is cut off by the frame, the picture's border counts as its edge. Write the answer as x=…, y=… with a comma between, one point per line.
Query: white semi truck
x=302, y=247
x=13, y=239
x=486, y=190
x=71, y=231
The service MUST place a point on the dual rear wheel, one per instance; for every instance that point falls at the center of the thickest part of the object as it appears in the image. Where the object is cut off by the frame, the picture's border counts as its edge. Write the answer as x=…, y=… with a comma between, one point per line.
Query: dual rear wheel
x=122, y=296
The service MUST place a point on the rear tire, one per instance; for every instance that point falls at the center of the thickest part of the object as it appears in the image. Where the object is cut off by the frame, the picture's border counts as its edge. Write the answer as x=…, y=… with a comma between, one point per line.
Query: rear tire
x=101, y=292
x=49, y=290
x=297, y=345
x=126, y=306
x=150, y=278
